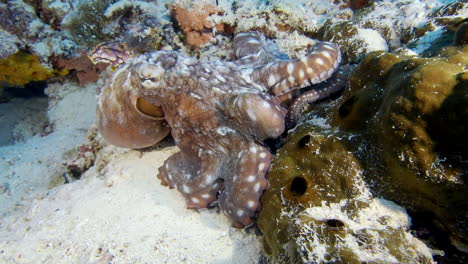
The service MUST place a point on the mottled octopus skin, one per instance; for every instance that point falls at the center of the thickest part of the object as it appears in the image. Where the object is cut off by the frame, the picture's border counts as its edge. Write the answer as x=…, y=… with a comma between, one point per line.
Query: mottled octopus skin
x=219, y=112
x=125, y=118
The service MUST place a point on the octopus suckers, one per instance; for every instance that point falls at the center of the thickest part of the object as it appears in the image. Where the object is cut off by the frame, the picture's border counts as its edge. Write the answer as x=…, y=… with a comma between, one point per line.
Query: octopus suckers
x=315, y=80
x=251, y=204
x=262, y=155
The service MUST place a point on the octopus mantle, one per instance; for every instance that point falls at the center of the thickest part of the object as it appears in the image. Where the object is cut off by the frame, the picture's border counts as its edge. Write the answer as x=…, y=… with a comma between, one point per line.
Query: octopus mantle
x=218, y=113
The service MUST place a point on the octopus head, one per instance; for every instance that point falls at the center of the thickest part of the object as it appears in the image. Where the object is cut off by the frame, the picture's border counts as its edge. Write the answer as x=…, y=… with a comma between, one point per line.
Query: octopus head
x=151, y=70
x=127, y=119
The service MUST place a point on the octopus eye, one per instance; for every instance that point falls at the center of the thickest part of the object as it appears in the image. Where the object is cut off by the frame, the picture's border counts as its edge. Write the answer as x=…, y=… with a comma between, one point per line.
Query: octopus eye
x=298, y=186
x=149, y=109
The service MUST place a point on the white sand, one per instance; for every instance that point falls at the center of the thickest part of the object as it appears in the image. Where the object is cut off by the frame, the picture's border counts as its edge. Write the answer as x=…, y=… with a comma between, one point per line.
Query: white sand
x=117, y=212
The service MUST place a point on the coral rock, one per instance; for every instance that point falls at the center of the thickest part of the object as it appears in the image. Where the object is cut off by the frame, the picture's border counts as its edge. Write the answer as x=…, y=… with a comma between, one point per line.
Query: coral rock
x=415, y=109
x=86, y=71
x=21, y=68
x=194, y=22
x=319, y=210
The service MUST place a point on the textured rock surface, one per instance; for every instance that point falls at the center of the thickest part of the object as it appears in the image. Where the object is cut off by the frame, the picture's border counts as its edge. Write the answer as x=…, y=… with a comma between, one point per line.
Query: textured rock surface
x=21, y=68
x=402, y=125
x=415, y=110
x=319, y=210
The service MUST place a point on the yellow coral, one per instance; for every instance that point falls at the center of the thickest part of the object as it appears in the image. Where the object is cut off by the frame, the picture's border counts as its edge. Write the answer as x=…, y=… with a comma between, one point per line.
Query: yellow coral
x=22, y=68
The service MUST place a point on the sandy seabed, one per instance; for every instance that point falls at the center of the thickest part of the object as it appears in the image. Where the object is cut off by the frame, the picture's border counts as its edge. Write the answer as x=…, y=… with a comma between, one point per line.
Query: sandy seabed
x=116, y=213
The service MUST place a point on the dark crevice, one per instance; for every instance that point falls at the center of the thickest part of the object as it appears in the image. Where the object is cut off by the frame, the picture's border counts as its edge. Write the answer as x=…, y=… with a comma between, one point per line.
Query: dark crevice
x=346, y=108
x=298, y=186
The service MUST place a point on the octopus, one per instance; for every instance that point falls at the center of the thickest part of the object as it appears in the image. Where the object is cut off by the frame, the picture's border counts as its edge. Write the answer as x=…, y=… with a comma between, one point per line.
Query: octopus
x=218, y=112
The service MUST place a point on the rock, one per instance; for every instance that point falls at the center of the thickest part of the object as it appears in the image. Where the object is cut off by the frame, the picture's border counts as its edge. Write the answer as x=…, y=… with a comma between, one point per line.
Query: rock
x=354, y=40
x=318, y=209
x=461, y=35
x=413, y=112
x=194, y=22
x=8, y=44
x=21, y=68
x=399, y=128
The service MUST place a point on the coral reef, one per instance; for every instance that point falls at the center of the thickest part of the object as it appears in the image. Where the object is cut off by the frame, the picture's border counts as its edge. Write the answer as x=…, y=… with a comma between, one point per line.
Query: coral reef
x=88, y=23
x=400, y=126
x=318, y=208
x=357, y=4
x=83, y=68
x=20, y=19
x=53, y=29
x=8, y=44
x=84, y=157
x=223, y=112
x=21, y=68
x=141, y=24
x=194, y=22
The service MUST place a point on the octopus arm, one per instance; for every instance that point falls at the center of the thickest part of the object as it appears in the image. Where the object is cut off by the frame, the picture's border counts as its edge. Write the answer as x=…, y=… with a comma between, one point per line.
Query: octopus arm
x=240, y=199
x=195, y=177
x=283, y=76
x=336, y=83
x=255, y=114
x=251, y=49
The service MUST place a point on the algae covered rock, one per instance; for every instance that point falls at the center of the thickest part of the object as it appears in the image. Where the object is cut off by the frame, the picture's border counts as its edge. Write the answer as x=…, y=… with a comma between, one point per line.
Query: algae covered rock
x=354, y=40
x=319, y=210
x=398, y=132
x=22, y=68
x=416, y=110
